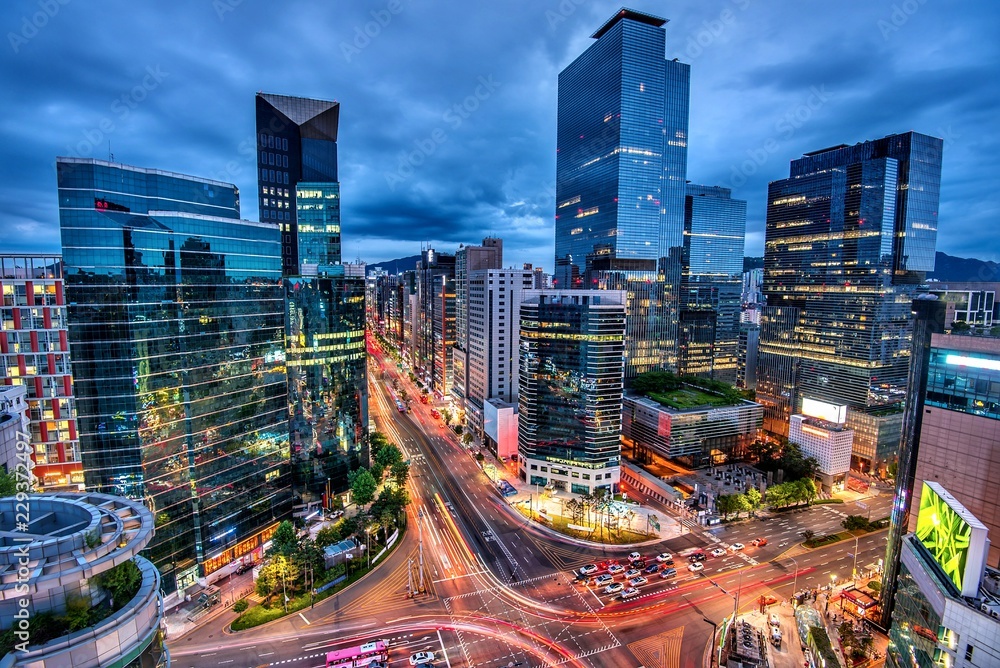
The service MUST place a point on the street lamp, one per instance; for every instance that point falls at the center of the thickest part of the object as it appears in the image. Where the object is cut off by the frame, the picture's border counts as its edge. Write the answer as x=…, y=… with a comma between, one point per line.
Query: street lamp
x=854, y=569
x=715, y=632
x=795, y=583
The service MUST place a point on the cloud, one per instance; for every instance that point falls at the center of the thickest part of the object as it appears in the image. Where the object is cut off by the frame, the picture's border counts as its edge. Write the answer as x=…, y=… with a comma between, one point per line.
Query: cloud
x=398, y=70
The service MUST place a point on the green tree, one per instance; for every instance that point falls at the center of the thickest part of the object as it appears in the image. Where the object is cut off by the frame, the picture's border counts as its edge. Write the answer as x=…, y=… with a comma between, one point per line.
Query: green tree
x=777, y=495
x=280, y=574
x=376, y=441
x=285, y=540
x=77, y=612
x=447, y=415
x=309, y=555
x=805, y=490
x=753, y=498
x=466, y=438
x=400, y=473
x=808, y=534
x=480, y=457
x=363, y=485
x=960, y=326
x=121, y=583
x=328, y=535
x=8, y=484
x=725, y=504
x=742, y=504
x=856, y=523
x=388, y=455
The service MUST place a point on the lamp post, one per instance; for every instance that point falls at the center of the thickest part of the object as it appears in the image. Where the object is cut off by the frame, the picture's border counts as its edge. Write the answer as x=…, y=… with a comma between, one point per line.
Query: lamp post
x=713, y=661
x=854, y=569
x=795, y=582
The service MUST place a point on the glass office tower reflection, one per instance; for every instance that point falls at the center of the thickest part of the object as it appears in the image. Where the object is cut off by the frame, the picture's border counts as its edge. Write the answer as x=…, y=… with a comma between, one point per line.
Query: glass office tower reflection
x=570, y=380
x=325, y=299
x=849, y=237
x=621, y=166
x=176, y=314
x=711, y=283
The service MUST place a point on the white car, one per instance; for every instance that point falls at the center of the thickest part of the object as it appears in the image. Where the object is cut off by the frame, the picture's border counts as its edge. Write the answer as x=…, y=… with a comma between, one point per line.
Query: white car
x=615, y=569
x=421, y=657
x=614, y=587
x=696, y=566
x=665, y=558
x=632, y=573
x=603, y=579
x=634, y=556
x=589, y=569
x=773, y=619
x=736, y=547
x=635, y=582
x=630, y=592
x=718, y=552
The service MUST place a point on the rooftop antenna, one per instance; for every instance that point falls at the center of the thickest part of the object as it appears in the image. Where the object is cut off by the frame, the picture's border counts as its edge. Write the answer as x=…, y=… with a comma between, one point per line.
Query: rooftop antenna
x=111, y=156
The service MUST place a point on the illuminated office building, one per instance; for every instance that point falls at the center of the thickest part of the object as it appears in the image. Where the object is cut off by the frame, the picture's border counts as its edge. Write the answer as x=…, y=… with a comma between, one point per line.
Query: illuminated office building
x=176, y=318
x=621, y=167
x=711, y=283
x=946, y=603
x=34, y=353
x=299, y=192
x=434, y=320
x=570, y=398
x=467, y=260
x=849, y=238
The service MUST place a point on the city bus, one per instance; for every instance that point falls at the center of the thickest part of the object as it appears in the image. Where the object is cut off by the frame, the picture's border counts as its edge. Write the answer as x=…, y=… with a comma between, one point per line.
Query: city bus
x=376, y=653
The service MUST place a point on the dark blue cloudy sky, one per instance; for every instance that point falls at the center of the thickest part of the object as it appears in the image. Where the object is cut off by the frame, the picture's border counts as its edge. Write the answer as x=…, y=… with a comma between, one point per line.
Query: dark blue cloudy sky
x=171, y=85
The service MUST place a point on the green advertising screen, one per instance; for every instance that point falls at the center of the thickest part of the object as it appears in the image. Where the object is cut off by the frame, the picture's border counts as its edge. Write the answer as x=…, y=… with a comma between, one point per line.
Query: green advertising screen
x=945, y=533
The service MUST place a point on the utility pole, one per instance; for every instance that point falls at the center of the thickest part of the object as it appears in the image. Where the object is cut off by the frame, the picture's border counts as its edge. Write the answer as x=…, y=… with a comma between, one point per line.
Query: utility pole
x=420, y=545
x=409, y=578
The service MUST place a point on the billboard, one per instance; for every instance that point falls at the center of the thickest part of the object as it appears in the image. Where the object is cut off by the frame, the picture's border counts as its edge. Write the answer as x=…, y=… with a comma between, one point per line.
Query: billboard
x=955, y=538
x=824, y=411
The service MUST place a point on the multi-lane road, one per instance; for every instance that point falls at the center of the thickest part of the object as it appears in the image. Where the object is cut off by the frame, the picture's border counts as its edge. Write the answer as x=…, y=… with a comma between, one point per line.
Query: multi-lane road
x=500, y=591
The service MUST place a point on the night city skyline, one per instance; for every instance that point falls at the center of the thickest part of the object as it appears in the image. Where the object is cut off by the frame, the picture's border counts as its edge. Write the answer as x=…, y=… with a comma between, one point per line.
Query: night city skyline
x=767, y=85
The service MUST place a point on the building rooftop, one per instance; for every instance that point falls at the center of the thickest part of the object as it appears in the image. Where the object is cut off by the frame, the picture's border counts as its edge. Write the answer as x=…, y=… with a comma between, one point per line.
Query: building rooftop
x=631, y=14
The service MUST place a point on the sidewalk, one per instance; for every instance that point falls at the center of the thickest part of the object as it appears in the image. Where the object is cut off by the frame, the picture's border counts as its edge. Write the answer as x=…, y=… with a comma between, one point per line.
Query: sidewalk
x=188, y=615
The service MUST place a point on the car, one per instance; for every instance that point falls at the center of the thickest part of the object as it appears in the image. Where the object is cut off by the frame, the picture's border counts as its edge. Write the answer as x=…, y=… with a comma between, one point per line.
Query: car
x=435, y=414
x=652, y=568
x=638, y=581
x=697, y=556
x=634, y=556
x=589, y=569
x=614, y=588
x=632, y=573
x=759, y=542
x=615, y=569
x=244, y=567
x=773, y=619
x=696, y=566
x=603, y=579
x=629, y=593
x=718, y=552
x=665, y=558
x=421, y=657
x=736, y=547
x=640, y=564
x=668, y=573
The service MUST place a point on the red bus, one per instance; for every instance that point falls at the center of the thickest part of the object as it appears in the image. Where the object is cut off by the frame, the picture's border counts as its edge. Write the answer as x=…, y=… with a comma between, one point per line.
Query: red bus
x=376, y=653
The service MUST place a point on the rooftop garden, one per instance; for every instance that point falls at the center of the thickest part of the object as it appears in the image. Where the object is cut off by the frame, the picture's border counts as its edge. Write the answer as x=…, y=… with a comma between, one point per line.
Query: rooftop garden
x=686, y=392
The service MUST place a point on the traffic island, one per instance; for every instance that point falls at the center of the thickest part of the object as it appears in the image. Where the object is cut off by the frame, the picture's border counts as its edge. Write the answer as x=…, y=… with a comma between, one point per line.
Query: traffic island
x=582, y=530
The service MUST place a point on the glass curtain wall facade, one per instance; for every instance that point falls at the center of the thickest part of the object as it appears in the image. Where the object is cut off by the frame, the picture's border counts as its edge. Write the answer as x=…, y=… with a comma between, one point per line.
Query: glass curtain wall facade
x=621, y=167
x=711, y=283
x=434, y=320
x=849, y=237
x=570, y=399
x=34, y=352
x=324, y=300
x=467, y=260
x=176, y=317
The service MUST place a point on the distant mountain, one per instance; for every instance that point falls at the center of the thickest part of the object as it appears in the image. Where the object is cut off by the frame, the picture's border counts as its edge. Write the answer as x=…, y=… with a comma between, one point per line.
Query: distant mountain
x=753, y=263
x=396, y=266
x=951, y=268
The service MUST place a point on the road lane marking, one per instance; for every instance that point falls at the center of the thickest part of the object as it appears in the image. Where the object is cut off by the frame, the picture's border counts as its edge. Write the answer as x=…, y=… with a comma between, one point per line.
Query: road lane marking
x=304, y=618
x=444, y=650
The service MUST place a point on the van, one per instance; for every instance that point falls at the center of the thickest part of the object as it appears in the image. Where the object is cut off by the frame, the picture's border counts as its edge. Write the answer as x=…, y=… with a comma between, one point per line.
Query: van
x=775, y=637
x=668, y=573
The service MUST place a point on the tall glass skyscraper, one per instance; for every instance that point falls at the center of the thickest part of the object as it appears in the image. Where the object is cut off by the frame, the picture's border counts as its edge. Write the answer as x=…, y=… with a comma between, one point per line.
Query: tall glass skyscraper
x=570, y=380
x=711, y=283
x=325, y=299
x=849, y=237
x=176, y=316
x=621, y=167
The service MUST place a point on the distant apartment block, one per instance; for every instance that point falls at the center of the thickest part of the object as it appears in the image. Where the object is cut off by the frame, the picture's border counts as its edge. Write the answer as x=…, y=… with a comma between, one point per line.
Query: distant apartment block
x=34, y=353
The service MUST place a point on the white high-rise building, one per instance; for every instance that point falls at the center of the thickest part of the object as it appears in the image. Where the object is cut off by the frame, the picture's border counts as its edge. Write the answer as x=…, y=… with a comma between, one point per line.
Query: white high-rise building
x=493, y=311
